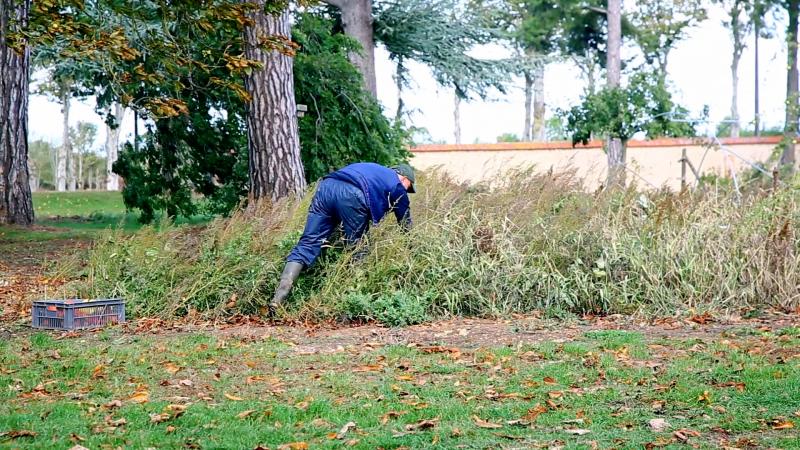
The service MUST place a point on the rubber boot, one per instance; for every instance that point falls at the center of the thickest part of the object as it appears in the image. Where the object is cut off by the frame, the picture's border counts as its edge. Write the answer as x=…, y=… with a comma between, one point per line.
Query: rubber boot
x=290, y=273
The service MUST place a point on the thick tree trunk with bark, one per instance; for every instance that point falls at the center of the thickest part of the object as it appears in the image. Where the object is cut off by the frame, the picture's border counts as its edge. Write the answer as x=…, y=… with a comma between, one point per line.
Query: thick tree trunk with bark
x=790, y=127
x=357, y=22
x=615, y=150
x=66, y=148
x=538, y=133
x=112, y=148
x=276, y=169
x=457, y=118
x=16, y=205
x=526, y=133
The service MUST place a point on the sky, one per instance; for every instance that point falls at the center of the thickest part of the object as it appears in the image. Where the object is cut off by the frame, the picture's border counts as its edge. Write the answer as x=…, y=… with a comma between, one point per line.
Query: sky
x=698, y=70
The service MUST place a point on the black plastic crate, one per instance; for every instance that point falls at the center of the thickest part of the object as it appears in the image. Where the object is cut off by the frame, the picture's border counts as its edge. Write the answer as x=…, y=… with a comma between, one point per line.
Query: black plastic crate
x=74, y=314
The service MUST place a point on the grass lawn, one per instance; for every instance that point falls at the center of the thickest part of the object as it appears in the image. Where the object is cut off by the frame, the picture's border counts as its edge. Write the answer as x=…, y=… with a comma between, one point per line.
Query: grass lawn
x=77, y=215
x=110, y=390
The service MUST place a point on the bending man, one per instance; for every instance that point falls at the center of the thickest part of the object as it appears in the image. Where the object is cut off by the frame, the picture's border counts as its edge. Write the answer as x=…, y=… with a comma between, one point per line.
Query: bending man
x=351, y=196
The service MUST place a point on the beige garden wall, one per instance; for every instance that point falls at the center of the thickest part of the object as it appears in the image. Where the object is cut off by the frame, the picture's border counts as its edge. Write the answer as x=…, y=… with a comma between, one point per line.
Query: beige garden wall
x=651, y=163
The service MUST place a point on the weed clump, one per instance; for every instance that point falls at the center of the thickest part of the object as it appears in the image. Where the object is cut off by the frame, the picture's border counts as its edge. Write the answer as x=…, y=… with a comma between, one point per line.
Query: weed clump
x=531, y=242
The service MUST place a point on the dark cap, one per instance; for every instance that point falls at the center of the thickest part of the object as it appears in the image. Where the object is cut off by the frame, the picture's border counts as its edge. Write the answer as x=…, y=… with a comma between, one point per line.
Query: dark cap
x=406, y=171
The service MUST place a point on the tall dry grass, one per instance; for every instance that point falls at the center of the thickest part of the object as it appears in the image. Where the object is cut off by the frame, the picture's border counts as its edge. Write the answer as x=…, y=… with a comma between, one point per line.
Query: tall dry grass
x=531, y=242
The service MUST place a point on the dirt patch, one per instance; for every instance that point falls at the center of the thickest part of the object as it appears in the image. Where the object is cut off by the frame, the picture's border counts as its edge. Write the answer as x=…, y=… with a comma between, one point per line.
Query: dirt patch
x=22, y=273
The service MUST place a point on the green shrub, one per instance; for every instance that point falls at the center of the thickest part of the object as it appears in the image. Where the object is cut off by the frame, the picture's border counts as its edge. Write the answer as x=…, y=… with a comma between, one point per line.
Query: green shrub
x=394, y=308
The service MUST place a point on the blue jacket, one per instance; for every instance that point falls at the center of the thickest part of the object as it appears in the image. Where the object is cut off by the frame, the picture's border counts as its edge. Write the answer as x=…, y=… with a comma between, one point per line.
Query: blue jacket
x=382, y=190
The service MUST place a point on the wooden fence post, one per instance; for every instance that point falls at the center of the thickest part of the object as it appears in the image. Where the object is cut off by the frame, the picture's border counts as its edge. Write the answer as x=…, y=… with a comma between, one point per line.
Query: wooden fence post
x=683, y=170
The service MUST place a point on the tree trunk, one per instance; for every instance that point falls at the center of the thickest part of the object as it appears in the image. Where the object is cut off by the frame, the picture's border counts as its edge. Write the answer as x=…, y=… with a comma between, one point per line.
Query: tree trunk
x=16, y=204
x=398, y=79
x=80, y=184
x=457, y=118
x=526, y=133
x=112, y=148
x=276, y=169
x=790, y=127
x=735, y=95
x=538, y=133
x=64, y=150
x=357, y=22
x=72, y=179
x=615, y=150
x=757, y=31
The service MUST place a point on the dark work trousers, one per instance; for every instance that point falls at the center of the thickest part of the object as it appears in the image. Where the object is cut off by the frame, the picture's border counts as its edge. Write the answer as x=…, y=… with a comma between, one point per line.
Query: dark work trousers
x=335, y=202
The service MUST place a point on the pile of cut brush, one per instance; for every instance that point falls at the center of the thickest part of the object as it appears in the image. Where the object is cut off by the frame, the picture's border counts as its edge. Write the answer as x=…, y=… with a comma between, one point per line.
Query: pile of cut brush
x=536, y=242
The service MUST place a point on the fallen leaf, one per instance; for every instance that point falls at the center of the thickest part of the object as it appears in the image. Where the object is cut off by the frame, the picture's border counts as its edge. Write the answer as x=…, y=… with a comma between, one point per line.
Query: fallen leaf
x=658, y=425
x=233, y=397
x=244, y=414
x=369, y=368
x=405, y=378
x=422, y=424
x=140, y=397
x=702, y=319
x=185, y=382
x=117, y=422
x=170, y=428
x=577, y=431
x=76, y=438
x=391, y=415
x=13, y=434
x=113, y=404
x=78, y=447
x=534, y=412
x=98, y=370
x=294, y=446
x=549, y=380
x=171, y=368
x=784, y=425
x=555, y=394
x=345, y=429
x=683, y=434
x=705, y=397
x=485, y=424
x=159, y=417
x=509, y=436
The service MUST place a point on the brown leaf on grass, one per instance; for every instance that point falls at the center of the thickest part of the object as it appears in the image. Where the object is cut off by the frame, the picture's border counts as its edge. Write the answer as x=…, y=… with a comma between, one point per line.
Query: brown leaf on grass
x=113, y=404
x=246, y=413
x=705, y=397
x=391, y=415
x=683, y=434
x=171, y=429
x=534, y=412
x=345, y=429
x=369, y=368
x=14, y=434
x=233, y=397
x=115, y=422
x=484, y=423
x=702, y=319
x=141, y=396
x=98, y=372
x=171, y=367
x=734, y=384
x=294, y=446
x=658, y=405
x=78, y=447
x=783, y=425
x=551, y=404
x=453, y=352
x=404, y=378
x=549, y=380
x=424, y=424
x=159, y=417
x=555, y=394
